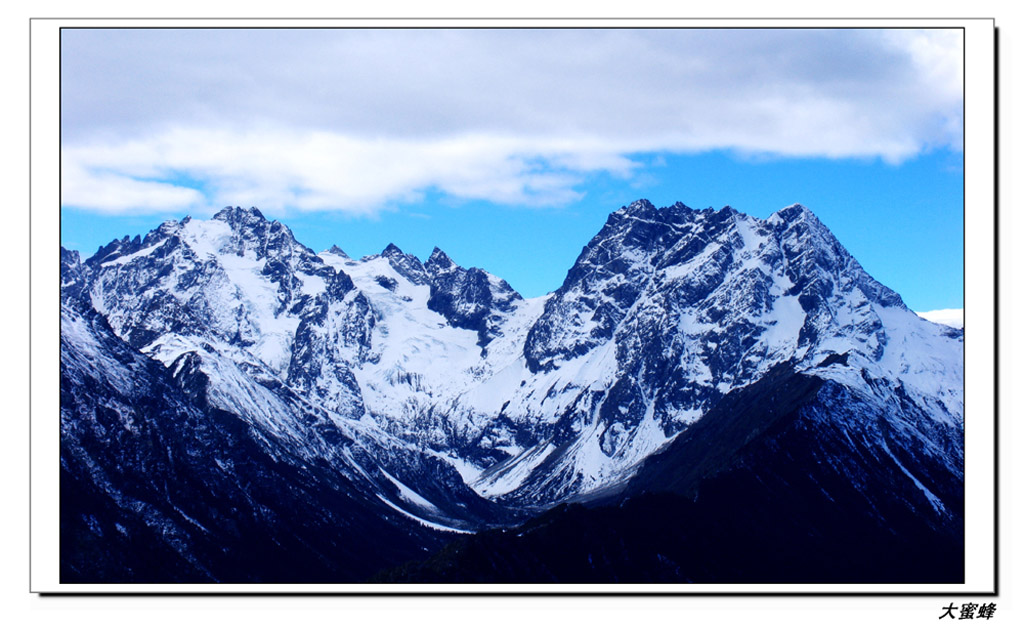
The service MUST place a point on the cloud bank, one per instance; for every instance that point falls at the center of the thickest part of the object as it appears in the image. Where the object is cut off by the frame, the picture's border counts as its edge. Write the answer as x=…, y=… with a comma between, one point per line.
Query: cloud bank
x=953, y=317
x=356, y=120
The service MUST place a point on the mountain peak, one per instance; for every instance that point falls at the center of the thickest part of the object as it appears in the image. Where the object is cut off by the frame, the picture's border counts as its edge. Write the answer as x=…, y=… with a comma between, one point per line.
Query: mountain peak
x=69, y=254
x=238, y=215
x=336, y=250
x=792, y=214
x=406, y=264
x=439, y=260
x=645, y=210
x=391, y=250
x=115, y=248
x=640, y=205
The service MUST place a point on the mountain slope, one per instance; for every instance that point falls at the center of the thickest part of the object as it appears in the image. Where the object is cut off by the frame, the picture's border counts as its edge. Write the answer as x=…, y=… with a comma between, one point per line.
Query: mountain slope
x=157, y=488
x=779, y=484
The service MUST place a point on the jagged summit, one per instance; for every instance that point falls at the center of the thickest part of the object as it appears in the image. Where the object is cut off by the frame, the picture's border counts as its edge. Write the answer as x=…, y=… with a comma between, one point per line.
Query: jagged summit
x=795, y=213
x=235, y=215
x=114, y=249
x=439, y=260
x=69, y=256
x=739, y=264
x=391, y=250
x=639, y=206
x=645, y=210
x=681, y=213
x=405, y=264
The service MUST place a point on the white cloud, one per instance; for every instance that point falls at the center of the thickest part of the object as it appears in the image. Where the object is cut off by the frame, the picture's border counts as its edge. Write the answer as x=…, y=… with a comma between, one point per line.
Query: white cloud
x=323, y=170
x=358, y=119
x=953, y=317
x=113, y=193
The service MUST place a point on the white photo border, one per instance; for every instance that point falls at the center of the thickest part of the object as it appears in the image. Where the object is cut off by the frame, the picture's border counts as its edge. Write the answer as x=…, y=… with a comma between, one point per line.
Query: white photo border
x=979, y=306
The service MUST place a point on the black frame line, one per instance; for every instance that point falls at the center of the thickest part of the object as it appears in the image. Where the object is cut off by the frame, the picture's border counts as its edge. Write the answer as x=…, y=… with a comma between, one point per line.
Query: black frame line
x=668, y=26
x=995, y=305
x=516, y=19
x=30, y=301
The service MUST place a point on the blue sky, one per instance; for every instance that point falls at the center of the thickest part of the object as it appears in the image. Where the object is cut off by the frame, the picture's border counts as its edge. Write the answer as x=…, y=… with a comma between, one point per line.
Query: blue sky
x=509, y=148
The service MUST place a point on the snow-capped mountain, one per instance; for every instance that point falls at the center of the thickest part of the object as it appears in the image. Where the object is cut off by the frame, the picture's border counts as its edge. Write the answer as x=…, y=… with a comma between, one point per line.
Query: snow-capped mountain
x=235, y=310
x=450, y=402
x=667, y=310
